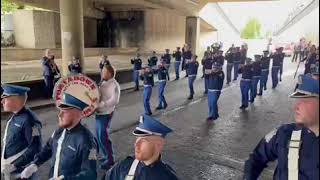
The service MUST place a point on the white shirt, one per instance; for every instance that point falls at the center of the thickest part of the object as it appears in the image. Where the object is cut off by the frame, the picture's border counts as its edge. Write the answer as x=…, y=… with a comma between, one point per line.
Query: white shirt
x=109, y=96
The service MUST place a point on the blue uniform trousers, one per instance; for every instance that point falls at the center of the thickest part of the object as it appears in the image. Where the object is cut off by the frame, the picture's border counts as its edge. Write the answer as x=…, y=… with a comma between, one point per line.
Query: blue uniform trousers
x=136, y=78
x=168, y=72
x=162, y=100
x=191, y=79
x=254, y=87
x=245, y=86
x=177, y=68
x=263, y=81
x=229, y=69
x=281, y=70
x=206, y=82
x=235, y=70
x=49, y=83
x=213, y=96
x=274, y=76
x=146, y=99
x=105, y=144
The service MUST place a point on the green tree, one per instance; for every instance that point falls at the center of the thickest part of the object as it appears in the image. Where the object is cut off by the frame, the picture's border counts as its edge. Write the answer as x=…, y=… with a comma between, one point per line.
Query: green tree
x=8, y=6
x=252, y=29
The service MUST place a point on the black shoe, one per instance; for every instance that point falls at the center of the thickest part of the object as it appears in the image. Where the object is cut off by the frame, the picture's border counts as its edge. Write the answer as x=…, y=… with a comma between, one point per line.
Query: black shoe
x=176, y=79
x=158, y=108
x=202, y=76
x=265, y=88
x=106, y=166
x=165, y=106
x=149, y=114
x=190, y=97
x=209, y=119
x=280, y=80
x=259, y=94
x=243, y=107
x=136, y=89
x=205, y=92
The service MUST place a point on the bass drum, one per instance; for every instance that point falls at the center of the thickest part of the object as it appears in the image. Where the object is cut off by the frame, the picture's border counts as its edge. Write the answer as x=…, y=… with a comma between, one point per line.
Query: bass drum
x=82, y=87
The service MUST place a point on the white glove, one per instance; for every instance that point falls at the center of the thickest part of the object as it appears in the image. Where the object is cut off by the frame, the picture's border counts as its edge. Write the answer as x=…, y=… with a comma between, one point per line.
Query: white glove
x=57, y=178
x=28, y=171
x=8, y=168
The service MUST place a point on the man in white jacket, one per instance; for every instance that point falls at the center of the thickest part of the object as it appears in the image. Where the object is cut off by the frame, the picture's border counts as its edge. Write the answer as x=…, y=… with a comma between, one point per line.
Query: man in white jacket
x=109, y=97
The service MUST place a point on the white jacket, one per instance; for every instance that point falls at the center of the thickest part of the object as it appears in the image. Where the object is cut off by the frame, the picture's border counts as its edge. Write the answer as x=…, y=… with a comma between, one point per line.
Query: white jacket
x=109, y=96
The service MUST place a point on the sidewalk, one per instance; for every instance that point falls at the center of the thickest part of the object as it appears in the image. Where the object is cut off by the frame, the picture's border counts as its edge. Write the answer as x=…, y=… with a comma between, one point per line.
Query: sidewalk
x=43, y=103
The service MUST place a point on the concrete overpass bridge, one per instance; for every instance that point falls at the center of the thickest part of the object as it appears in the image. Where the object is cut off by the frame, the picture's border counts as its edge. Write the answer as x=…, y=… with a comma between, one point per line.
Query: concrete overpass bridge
x=146, y=24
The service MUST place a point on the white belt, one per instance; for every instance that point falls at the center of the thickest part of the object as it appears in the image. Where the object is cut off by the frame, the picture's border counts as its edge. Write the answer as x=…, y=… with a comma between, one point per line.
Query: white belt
x=132, y=170
x=192, y=75
x=293, y=155
x=245, y=79
x=147, y=85
x=265, y=70
x=163, y=80
x=213, y=90
x=207, y=71
x=13, y=158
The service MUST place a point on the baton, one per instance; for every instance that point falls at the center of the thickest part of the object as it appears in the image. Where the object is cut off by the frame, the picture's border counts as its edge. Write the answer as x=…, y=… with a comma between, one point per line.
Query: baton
x=296, y=70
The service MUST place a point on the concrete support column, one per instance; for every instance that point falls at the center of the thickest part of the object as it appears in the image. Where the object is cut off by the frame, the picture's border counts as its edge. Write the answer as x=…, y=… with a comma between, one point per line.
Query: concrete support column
x=193, y=33
x=72, y=43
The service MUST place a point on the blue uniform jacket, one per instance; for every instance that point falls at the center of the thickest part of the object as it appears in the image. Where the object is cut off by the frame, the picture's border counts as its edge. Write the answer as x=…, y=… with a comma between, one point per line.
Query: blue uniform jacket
x=216, y=80
x=137, y=63
x=153, y=61
x=207, y=64
x=177, y=55
x=220, y=60
x=187, y=55
x=265, y=62
x=256, y=69
x=162, y=73
x=75, y=68
x=47, y=71
x=243, y=58
x=147, y=78
x=24, y=131
x=275, y=146
x=192, y=68
x=247, y=71
x=237, y=57
x=277, y=59
x=155, y=171
x=167, y=58
x=231, y=58
x=78, y=154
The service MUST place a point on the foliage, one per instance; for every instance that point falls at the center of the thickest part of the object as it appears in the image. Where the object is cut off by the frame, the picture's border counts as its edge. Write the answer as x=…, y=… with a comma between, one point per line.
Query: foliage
x=8, y=6
x=252, y=29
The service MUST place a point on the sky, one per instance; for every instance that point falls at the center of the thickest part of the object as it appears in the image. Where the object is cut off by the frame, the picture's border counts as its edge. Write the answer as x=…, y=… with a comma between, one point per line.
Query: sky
x=269, y=13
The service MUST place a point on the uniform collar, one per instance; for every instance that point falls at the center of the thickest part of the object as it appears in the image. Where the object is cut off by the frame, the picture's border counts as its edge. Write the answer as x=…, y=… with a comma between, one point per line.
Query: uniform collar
x=22, y=110
x=156, y=163
x=75, y=128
